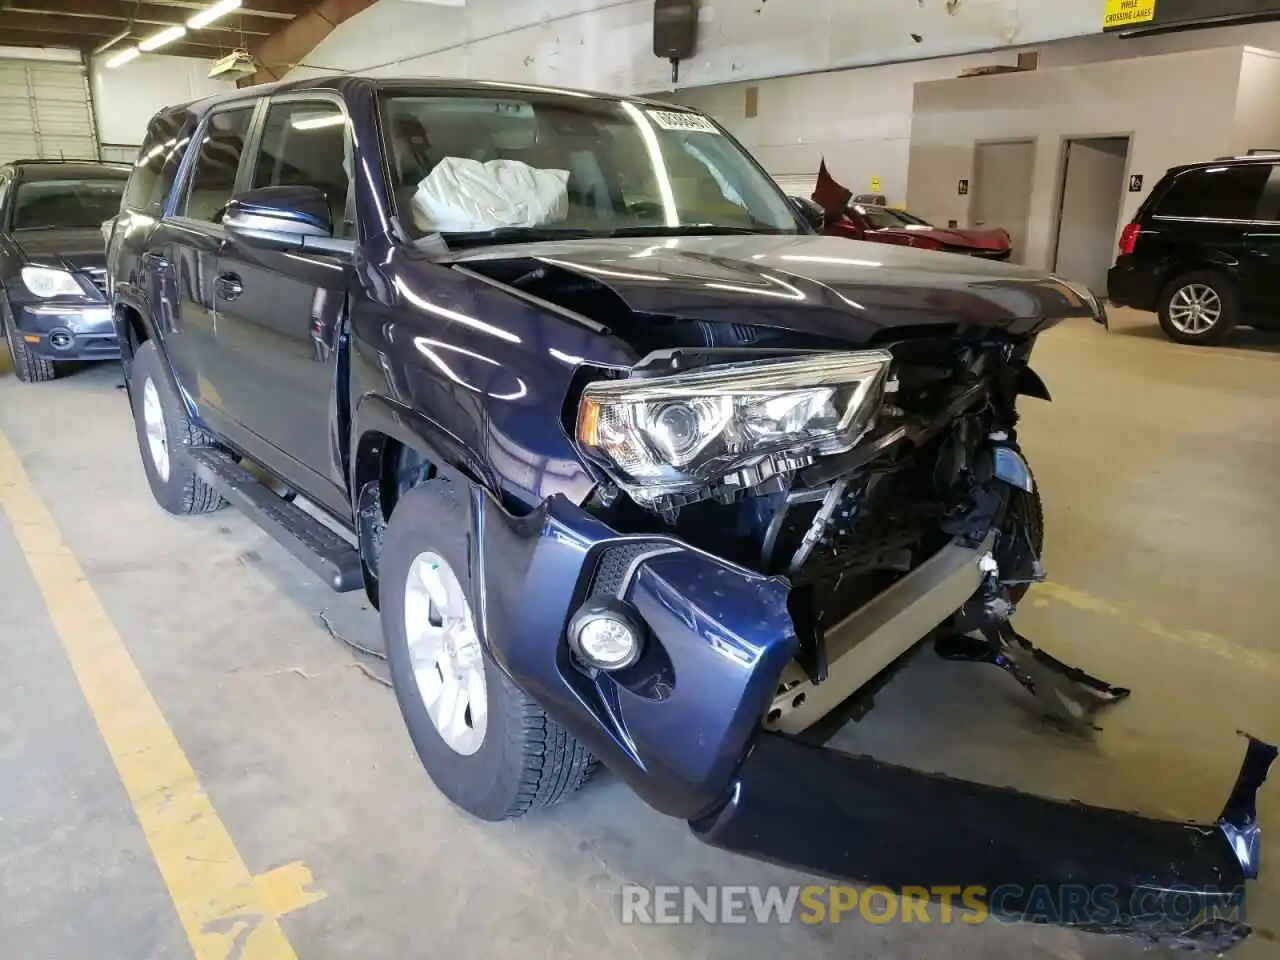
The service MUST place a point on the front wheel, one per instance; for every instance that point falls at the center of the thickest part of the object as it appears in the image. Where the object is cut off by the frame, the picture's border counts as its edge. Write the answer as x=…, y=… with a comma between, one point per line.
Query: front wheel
x=29, y=367
x=488, y=747
x=1199, y=308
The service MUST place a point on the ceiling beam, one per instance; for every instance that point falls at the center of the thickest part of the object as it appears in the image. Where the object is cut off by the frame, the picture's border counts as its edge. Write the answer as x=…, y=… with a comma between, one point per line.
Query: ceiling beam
x=288, y=46
x=149, y=20
x=78, y=41
x=178, y=10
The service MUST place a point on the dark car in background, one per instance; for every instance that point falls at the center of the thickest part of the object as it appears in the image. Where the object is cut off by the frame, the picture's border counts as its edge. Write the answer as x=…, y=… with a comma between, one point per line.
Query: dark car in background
x=53, y=305
x=1203, y=250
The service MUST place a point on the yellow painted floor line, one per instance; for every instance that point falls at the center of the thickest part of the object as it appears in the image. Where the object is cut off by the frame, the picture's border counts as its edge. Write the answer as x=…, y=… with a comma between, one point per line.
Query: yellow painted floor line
x=1045, y=593
x=225, y=910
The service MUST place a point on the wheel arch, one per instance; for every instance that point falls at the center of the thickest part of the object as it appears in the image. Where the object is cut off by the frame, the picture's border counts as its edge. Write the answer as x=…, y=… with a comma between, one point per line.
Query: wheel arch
x=395, y=449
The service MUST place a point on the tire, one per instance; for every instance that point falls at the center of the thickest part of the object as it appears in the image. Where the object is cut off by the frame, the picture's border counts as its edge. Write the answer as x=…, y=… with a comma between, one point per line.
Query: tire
x=28, y=367
x=172, y=477
x=1216, y=296
x=517, y=759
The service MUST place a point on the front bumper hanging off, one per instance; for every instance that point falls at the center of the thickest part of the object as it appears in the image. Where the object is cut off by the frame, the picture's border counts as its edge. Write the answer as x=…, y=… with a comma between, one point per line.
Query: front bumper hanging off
x=683, y=727
x=1024, y=858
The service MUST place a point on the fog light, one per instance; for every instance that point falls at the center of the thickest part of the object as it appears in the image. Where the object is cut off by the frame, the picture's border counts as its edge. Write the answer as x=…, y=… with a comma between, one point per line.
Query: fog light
x=605, y=635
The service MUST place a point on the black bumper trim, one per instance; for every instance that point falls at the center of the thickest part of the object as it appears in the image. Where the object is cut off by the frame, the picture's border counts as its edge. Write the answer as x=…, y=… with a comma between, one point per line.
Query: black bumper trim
x=1027, y=858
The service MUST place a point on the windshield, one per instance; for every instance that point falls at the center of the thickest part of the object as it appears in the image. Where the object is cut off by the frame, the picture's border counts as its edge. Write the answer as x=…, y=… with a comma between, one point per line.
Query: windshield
x=62, y=204
x=514, y=165
x=884, y=218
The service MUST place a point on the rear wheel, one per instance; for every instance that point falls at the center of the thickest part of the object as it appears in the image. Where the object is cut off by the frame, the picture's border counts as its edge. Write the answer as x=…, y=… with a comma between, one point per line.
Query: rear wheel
x=28, y=367
x=488, y=747
x=165, y=437
x=1199, y=308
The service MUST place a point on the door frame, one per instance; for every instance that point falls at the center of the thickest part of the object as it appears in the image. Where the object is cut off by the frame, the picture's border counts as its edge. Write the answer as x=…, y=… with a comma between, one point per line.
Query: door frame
x=1060, y=181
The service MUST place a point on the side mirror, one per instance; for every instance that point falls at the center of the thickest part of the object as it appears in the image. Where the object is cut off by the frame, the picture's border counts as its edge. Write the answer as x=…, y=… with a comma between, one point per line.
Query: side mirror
x=809, y=211
x=283, y=218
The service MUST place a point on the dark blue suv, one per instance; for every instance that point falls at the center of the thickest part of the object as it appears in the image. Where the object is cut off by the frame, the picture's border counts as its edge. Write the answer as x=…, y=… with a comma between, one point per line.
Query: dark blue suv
x=636, y=467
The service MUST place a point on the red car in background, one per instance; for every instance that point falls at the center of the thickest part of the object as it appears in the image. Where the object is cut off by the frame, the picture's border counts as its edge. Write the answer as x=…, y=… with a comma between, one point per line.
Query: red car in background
x=846, y=217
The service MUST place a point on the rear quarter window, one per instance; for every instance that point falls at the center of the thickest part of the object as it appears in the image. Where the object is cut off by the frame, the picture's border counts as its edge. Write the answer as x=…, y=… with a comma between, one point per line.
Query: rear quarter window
x=1215, y=193
x=157, y=165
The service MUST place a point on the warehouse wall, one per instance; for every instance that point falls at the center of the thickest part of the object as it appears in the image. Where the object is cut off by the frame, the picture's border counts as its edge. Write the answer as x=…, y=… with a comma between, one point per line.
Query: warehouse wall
x=1258, y=103
x=126, y=97
x=607, y=44
x=1177, y=108
x=860, y=120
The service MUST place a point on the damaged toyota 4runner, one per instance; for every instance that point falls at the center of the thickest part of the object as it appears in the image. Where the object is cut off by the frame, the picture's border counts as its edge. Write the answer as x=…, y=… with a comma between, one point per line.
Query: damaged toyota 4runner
x=637, y=468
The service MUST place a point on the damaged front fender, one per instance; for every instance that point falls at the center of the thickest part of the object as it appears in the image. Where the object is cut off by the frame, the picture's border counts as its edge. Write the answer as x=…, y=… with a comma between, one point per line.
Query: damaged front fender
x=1021, y=858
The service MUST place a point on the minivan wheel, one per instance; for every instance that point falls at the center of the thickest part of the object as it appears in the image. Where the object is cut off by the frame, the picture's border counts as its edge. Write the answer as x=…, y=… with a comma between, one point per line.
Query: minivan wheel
x=165, y=438
x=487, y=746
x=1199, y=308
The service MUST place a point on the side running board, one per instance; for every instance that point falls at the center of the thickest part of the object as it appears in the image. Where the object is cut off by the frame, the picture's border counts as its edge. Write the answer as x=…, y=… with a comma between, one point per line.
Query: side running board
x=325, y=553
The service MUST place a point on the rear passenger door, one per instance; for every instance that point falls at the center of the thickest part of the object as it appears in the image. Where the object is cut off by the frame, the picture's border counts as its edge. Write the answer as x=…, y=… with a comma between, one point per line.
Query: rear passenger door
x=280, y=313
x=181, y=261
x=1261, y=293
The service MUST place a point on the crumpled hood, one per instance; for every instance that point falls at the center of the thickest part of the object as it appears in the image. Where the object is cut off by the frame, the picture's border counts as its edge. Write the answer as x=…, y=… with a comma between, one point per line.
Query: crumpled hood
x=74, y=249
x=828, y=287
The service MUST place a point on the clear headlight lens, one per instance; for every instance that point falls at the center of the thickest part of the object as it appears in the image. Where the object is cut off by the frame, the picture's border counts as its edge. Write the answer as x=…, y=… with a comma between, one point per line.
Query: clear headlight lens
x=48, y=282
x=681, y=434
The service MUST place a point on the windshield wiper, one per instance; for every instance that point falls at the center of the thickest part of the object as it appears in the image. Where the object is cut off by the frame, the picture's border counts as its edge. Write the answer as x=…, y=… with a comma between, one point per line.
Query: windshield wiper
x=696, y=230
x=518, y=235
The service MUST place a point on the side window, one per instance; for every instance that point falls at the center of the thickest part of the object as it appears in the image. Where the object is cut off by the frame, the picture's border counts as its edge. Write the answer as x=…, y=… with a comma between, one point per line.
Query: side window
x=157, y=165
x=5, y=182
x=304, y=143
x=1217, y=193
x=214, y=178
x=1269, y=208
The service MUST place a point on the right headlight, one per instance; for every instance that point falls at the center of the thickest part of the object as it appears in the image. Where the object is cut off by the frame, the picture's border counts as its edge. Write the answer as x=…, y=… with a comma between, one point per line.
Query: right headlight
x=684, y=434
x=48, y=282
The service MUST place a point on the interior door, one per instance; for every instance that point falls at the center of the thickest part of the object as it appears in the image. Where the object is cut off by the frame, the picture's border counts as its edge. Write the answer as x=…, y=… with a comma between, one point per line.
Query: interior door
x=1092, y=193
x=280, y=314
x=1001, y=190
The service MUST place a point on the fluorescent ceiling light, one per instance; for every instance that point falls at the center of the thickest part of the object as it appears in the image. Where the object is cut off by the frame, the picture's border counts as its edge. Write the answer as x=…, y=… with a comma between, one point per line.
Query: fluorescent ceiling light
x=327, y=120
x=124, y=56
x=157, y=40
x=210, y=14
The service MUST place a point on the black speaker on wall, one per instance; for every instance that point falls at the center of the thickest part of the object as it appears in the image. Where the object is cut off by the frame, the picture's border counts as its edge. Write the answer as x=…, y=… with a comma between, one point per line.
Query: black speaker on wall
x=675, y=31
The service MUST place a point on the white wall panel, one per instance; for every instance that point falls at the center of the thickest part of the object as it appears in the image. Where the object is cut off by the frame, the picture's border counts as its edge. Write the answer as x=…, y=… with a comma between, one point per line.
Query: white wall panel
x=1258, y=103
x=608, y=43
x=127, y=97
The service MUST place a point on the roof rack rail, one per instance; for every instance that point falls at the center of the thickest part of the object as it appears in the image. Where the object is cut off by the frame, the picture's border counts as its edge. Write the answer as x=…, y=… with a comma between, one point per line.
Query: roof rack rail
x=66, y=160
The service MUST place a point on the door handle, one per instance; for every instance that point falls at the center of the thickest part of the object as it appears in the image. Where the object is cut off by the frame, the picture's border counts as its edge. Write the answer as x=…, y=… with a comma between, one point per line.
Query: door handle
x=157, y=261
x=228, y=286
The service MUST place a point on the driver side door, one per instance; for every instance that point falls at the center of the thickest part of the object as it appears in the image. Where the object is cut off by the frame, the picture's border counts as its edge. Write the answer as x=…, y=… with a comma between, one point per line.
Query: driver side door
x=281, y=313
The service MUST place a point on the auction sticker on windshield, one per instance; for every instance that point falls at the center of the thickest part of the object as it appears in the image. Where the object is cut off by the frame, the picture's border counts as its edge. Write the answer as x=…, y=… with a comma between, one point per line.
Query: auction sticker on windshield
x=672, y=120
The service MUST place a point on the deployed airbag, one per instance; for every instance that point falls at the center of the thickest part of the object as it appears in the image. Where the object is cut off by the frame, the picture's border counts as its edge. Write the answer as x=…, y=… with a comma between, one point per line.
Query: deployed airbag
x=463, y=196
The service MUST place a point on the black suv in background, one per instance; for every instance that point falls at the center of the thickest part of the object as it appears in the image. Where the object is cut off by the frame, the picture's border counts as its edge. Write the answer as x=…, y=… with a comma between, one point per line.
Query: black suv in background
x=1201, y=250
x=52, y=273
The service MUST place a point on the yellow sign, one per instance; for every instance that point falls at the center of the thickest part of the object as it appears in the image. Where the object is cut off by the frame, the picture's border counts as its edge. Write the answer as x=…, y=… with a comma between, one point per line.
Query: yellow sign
x=1125, y=13
x=875, y=184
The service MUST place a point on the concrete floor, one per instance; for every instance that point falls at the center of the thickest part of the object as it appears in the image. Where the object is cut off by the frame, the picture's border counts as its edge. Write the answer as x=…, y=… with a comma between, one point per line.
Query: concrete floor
x=1160, y=466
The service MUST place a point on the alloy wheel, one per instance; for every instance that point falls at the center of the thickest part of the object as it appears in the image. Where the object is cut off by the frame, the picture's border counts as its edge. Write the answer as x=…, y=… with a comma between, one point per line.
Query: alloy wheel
x=157, y=435
x=445, y=653
x=1195, y=309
